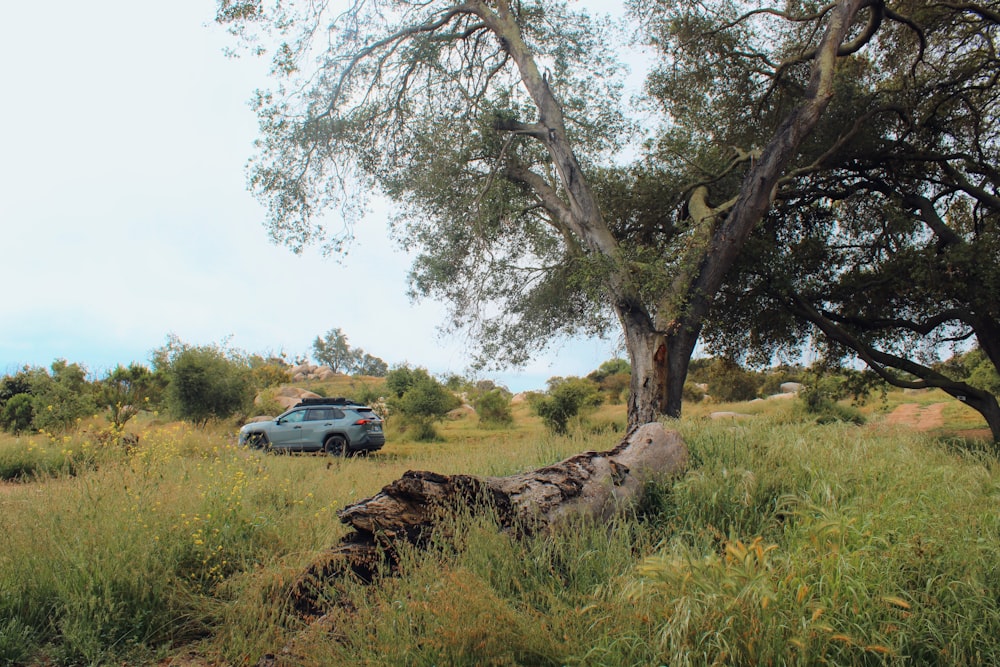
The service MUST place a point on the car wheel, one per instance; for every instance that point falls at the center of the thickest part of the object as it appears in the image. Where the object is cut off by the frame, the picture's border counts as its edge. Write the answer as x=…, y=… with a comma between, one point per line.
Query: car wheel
x=335, y=445
x=258, y=441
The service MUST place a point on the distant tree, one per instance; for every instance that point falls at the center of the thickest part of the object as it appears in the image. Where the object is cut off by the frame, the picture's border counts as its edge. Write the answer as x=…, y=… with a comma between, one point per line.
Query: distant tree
x=206, y=384
x=62, y=396
x=613, y=378
x=333, y=350
x=124, y=392
x=12, y=385
x=366, y=364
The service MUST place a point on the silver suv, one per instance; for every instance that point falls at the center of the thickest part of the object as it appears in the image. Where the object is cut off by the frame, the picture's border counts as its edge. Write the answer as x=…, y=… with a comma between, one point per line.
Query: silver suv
x=336, y=426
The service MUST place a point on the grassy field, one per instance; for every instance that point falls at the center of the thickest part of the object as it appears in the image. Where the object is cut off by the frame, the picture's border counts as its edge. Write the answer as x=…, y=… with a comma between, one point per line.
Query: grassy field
x=786, y=542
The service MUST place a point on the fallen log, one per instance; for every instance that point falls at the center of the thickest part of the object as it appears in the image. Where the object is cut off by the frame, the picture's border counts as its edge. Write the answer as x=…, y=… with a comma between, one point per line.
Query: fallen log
x=409, y=510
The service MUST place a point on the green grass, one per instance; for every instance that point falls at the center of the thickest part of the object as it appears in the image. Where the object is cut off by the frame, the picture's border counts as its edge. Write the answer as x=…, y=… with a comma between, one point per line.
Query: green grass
x=785, y=543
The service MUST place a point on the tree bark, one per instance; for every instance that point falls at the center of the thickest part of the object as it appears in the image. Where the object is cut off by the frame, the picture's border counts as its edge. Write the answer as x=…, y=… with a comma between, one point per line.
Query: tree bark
x=412, y=509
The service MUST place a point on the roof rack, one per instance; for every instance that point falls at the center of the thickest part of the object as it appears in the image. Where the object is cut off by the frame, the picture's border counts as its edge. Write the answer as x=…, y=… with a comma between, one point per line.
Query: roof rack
x=323, y=401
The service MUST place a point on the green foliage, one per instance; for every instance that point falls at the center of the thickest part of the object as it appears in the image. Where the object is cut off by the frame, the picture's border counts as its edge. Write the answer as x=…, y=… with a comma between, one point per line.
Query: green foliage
x=729, y=382
x=268, y=372
x=613, y=378
x=693, y=392
x=18, y=413
x=124, y=392
x=823, y=389
x=420, y=398
x=366, y=364
x=980, y=372
x=62, y=397
x=428, y=398
x=205, y=384
x=333, y=350
x=494, y=409
x=565, y=399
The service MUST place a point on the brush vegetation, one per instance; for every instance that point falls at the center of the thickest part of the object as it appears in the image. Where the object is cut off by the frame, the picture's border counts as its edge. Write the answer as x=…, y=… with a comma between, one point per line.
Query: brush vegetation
x=787, y=542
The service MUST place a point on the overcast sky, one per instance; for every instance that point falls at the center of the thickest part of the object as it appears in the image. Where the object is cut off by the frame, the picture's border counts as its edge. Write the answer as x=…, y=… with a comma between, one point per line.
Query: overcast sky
x=124, y=216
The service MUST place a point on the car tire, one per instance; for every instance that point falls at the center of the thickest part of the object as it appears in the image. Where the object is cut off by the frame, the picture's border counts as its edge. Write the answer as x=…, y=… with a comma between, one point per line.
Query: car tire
x=335, y=445
x=258, y=441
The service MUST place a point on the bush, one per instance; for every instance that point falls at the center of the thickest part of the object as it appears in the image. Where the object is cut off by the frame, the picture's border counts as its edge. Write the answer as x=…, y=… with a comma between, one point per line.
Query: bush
x=728, y=382
x=205, y=384
x=693, y=392
x=18, y=413
x=820, y=394
x=124, y=392
x=493, y=408
x=565, y=399
x=420, y=398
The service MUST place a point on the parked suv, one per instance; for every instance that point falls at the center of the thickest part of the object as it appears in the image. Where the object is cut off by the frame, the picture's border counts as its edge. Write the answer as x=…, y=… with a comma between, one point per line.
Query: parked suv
x=334, y=425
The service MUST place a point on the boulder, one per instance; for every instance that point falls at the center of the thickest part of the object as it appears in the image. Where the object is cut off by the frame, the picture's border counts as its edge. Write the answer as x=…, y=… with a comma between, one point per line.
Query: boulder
x=463, y=410
x=790, y=387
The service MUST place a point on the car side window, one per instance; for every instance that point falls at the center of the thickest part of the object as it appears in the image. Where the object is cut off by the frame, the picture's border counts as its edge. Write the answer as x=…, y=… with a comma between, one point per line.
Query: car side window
x=294, y=417
x=320, y=414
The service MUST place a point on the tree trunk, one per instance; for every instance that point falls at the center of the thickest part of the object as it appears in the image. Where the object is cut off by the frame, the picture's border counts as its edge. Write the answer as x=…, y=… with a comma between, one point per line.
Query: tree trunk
x=985, y=404
x=594, y=485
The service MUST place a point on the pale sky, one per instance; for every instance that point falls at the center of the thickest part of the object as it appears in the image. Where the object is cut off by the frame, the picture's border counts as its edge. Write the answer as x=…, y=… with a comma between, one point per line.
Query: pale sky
x=124, y=217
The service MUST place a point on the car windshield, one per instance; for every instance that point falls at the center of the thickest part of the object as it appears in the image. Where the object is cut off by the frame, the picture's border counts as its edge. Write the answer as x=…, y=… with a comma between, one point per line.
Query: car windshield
x=367, y=413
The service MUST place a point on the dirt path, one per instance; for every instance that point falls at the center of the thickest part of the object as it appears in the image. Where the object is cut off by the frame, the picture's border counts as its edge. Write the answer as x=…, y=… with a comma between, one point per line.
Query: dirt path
x=920, y=418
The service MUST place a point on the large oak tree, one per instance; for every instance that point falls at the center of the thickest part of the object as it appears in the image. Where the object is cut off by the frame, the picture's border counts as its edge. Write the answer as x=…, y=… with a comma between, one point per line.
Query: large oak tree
x=886, y=245
x=495, y=126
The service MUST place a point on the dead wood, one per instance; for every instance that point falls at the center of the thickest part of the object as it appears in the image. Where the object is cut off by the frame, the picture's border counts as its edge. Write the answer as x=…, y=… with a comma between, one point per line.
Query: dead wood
x=411, y=509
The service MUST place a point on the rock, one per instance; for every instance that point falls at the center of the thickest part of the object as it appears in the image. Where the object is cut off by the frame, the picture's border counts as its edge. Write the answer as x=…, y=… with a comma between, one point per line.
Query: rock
x=790, y=387
x=463, y=410
x=781, y=397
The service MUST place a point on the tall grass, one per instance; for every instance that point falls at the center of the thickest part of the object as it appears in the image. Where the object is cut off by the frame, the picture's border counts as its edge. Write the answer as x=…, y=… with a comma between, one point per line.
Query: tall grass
x=784, y=543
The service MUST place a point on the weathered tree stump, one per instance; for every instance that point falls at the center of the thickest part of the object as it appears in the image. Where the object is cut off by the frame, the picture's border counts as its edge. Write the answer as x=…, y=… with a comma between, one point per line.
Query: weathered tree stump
x=409, y=510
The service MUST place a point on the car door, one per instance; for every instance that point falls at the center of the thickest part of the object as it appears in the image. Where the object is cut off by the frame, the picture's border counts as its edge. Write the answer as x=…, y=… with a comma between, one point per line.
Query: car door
x=317, y=424
x=287, y=431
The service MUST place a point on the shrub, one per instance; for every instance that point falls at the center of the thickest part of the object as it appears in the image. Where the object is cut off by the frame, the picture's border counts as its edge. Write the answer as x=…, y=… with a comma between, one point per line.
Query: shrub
x=420, y=398
x=124, y=392
x=565, y=399
x=820, y=394
x=18, y=413
x=693, y=392
x=728, y=382
x=493, y=408
x=205, y=384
